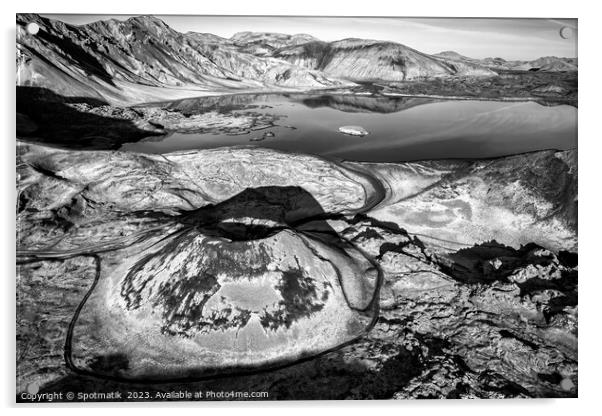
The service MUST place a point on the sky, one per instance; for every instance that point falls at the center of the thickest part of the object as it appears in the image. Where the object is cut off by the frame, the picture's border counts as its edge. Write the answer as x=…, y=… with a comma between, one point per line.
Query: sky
x=511, y=39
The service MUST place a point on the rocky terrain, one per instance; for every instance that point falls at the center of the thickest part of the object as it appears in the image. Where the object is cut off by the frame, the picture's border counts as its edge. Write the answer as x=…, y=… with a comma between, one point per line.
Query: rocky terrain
x=447, y=279
x=544, y=64
x=368, y=60
x=547, y=88
x=83, y=123
x=248, y=269
x=75, y=84
x=142, y=59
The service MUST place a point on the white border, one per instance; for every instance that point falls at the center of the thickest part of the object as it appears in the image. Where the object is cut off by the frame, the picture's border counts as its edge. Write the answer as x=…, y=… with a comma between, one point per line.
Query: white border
x=590, y=116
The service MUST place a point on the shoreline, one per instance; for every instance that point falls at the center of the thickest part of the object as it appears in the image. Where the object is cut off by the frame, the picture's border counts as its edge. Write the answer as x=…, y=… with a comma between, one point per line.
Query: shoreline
x=471, y=98
x=338, y=91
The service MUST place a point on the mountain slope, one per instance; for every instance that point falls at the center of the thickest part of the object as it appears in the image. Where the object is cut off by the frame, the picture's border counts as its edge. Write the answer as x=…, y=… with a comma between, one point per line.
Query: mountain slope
x=360, y=59
x=143, y=59
x=104, y=59
x=549, y=63
x=545, y=63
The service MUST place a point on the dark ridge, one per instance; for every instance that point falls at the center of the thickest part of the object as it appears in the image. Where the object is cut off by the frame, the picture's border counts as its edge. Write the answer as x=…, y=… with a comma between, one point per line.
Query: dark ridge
x=59, y=124
x=473, y=265
x=507, y=334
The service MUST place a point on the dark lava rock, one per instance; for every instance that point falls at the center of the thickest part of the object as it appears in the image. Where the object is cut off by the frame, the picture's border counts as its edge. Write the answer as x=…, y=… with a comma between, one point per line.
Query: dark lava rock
x=170, y=267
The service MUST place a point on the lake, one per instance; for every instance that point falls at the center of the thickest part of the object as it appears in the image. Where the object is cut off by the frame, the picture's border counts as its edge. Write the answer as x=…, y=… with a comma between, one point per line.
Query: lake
x=401, y=128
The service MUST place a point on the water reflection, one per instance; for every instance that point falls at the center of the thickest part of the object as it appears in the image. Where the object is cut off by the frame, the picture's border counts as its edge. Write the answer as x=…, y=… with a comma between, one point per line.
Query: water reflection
x=401, y=128
x=364, y=104
x=352, y=103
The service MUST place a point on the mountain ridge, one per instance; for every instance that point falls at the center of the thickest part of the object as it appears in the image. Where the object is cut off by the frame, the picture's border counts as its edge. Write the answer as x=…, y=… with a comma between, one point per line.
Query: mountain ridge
x=544, y=63
x=143, y=58
x=107, y=59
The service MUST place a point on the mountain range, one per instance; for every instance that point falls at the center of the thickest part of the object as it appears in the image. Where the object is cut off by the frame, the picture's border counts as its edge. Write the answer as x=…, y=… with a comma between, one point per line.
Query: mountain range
x=143, y=59
x=545, y=63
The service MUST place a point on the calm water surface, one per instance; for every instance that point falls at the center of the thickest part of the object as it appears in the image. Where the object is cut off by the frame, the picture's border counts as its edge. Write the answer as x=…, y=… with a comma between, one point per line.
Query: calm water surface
x=401, y=128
